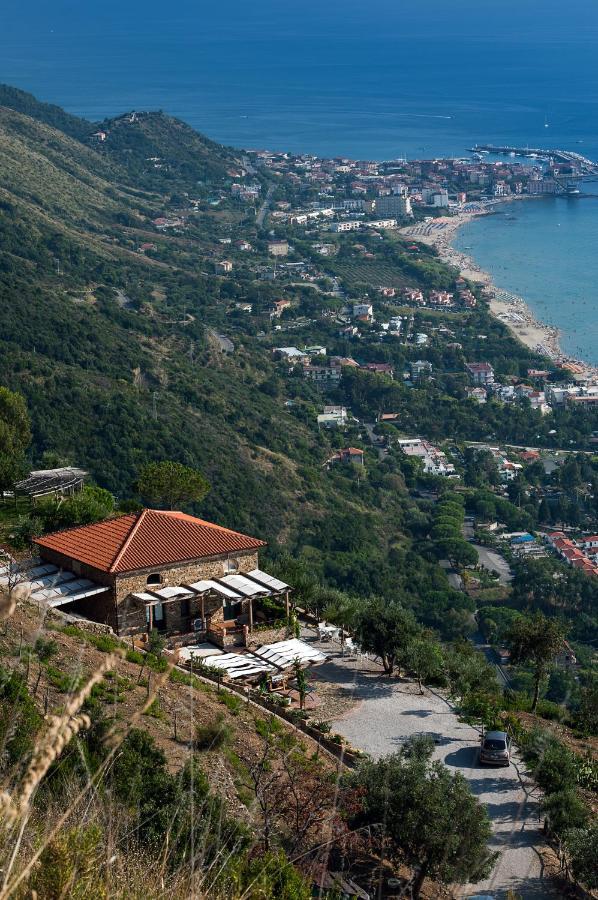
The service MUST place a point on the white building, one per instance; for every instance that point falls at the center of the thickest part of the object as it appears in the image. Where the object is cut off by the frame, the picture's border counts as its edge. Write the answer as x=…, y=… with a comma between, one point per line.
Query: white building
x=363, y=311
x=339, y=227
x=394, y=205
x=382, y=223
x=434, y=460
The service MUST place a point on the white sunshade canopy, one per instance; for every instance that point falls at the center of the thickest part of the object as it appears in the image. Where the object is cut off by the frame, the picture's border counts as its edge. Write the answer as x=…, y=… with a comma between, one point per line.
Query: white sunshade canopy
x=54, y=587
x=284, y=654
x=271, y=658
x=269, y=581
x=171, y=593
x=244, y=586
x=49, y=581
x=237, y=665
x=72, y=590
x=204, y=586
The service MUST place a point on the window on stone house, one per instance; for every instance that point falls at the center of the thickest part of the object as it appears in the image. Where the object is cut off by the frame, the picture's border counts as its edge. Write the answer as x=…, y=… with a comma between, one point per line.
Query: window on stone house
x=230, y=566
x=154, y=578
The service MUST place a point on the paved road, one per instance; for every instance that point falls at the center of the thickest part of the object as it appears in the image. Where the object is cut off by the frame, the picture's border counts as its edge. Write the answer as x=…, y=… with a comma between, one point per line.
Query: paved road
x=489, y=559
x=494, y=562
x=374, y=439
x=259, y=221
x=454, y=579
x=389, y=712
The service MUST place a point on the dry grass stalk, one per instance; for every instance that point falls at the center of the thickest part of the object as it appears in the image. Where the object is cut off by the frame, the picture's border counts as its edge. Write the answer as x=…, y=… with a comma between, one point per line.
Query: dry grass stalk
x=61, y=729
x=9, y=596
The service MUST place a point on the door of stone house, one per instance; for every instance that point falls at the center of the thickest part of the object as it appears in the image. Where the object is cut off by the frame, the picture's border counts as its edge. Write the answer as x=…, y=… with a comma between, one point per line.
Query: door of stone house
x=158, y=618
x=230, y=611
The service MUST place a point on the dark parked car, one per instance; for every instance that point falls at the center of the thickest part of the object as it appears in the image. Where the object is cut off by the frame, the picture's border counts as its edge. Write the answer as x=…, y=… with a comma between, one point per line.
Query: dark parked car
x=495, y=749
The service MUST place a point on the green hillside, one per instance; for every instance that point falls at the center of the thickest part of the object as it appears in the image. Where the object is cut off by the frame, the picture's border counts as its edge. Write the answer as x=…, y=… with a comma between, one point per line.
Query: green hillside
x=114, y=351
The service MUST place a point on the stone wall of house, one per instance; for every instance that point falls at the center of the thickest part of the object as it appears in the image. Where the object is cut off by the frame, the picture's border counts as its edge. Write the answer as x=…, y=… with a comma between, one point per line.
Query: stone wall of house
x=117, y=609
x=266, y=636
x=185, y=573
x=179, y=615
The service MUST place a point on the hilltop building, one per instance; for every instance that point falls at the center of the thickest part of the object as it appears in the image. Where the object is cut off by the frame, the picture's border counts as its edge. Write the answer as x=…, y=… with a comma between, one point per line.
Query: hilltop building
x=153, y=569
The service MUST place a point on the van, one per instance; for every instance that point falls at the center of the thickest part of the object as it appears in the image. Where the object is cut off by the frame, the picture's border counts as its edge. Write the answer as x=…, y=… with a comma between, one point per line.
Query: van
x=495, y=749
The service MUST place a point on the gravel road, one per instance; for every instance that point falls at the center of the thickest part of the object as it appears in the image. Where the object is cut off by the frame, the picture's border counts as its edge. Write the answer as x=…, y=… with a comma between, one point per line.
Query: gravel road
x=388, y=712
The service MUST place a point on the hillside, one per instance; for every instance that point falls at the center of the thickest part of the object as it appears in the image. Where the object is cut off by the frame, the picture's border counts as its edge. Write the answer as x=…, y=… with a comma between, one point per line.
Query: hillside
x=114, y=351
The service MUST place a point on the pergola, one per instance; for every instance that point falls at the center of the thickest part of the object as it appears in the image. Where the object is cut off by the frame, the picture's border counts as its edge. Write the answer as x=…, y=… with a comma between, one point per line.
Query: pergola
x=269, y=659
x=232, y=589
x=44, y=482
x=51, y=585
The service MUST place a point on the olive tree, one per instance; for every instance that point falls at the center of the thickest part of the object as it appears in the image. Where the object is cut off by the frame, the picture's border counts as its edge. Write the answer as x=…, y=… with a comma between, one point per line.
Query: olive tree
x=424, y=816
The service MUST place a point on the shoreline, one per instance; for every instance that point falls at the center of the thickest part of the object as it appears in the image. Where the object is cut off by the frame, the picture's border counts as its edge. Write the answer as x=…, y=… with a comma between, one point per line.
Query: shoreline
x=508, y=308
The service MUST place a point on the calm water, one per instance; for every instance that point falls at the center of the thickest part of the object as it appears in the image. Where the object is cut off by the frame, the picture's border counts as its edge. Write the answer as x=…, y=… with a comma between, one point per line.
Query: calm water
x=545, y=251
x=341, y=77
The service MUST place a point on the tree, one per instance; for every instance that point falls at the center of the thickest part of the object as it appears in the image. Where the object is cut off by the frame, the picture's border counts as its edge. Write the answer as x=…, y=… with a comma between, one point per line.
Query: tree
x=423, y=815
x=301, y=682
x=92, y=504
x=535, y=640
x=587, y=714
x=458, y=552
x=340, y=609
x=423, y=657
x=171, y=484
x=564, y=810
x=581, y=846
x=385, y=629
x=15, y=435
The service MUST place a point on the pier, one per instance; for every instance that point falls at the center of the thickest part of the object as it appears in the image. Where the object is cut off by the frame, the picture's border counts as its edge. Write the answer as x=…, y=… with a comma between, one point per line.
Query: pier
x=582, y=164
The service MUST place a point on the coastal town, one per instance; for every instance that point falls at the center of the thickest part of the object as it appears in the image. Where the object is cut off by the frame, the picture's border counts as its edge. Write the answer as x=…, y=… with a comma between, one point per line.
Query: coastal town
x=321, y=513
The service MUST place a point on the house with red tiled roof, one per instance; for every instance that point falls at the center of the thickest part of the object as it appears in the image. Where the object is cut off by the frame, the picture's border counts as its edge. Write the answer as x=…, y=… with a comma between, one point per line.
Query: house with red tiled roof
x=159, y=568
x=346, y=455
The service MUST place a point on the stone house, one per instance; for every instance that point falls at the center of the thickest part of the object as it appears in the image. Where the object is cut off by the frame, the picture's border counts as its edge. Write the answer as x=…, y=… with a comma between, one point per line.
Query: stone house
x=164, y=570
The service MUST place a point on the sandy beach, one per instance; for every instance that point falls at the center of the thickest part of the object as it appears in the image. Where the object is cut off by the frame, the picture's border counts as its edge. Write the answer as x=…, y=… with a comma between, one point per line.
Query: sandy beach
x=509, y=308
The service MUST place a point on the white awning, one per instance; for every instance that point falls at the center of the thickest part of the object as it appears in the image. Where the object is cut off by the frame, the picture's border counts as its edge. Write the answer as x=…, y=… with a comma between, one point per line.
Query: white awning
x=236, y=665
x=244, y=586
x=269, y=658
x=204, y=586
x=48, y=581
x=269, y=581
x=28, y=576
x=284, y=653
x=171, y=593
x=85, y=589
x=144, y=598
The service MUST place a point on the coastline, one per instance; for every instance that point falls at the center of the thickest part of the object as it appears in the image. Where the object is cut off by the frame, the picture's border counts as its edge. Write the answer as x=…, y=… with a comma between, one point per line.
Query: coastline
x=510, y=309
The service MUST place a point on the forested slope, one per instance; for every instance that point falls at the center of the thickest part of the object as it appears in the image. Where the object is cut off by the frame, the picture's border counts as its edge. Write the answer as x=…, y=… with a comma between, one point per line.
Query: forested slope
x=110, y=348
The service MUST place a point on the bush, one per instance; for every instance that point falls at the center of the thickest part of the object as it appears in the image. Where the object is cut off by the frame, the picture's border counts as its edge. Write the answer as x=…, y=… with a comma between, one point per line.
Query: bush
x=564, y=809
x=104, y=642
x=46, y=648
x=156, y=642
x=552, y=711
x=556, y=769
x=581, y=846
x=213, y=736
x=156, y=663
x=19, y=718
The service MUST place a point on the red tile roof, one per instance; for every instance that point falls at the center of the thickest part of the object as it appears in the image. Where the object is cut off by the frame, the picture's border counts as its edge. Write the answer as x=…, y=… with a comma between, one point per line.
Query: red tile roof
x=145, y=540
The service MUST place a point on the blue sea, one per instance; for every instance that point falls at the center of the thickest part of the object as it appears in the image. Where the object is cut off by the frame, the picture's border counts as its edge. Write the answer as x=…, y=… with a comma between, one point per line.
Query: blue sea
x=371, y=80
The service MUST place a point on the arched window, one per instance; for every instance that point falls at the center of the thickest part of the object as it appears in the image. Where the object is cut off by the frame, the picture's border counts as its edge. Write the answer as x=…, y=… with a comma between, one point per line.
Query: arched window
x=154, y=578
x=231, y=566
